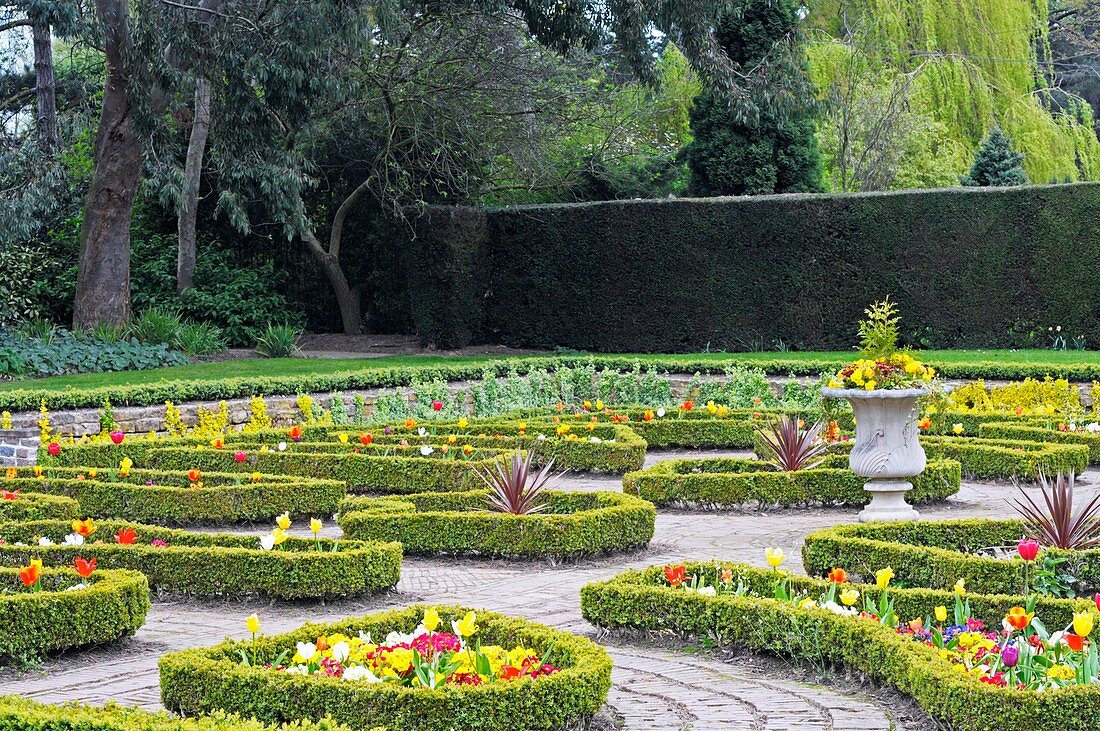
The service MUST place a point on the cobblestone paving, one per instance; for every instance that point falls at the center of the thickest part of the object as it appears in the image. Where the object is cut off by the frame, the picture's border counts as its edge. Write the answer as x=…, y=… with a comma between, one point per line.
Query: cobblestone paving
x=653, y=688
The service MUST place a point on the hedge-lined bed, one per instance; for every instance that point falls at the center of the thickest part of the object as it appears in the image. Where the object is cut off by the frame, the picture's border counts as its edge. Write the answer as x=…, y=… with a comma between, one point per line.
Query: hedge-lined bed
x=111, y=605
x=199, y=681
x=574, y=524
x=172, y=498
x=212, y=564
x=23, y=714
x=643, y=600
x=999, y=459
x=1040, y=433
x=21, y=504
x=745, y=482
x=934, y=554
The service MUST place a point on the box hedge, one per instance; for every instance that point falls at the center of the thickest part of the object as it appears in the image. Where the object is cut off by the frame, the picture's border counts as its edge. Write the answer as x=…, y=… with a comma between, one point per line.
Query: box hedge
x=934, y=554
x=35, y=505
x=199, y=681
x=638, y=600
x=171, y=498
x=574, y=524
x=112, y=604
x=213, y=564
x=742, y=482
x=1038, y=433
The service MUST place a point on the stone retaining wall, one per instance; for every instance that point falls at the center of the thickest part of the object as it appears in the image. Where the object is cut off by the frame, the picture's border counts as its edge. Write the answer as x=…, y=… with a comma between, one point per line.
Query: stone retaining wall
x=18, y=447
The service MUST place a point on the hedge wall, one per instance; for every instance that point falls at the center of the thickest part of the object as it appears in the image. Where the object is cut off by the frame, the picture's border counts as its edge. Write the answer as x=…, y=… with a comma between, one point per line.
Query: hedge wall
x=677, y=275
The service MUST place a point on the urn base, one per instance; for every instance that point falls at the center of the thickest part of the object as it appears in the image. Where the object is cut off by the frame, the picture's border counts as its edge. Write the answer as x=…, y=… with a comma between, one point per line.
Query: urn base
x=888, y=502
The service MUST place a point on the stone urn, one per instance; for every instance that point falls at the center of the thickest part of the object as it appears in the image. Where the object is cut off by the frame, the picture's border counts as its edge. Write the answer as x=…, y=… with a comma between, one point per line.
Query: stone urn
x=887, y=450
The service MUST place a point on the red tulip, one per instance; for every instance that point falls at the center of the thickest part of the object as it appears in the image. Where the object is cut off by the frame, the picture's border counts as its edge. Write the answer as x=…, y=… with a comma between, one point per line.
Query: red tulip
x=1075, y=642
x=13, y=494
x=437, y=405
x=366, y=439
x=117, y=436
x=126, y=536
x=240, y=456
x=674, y=575
x=54, y=449
x=84, y=567
x=1095, y=598
x=1028, y=549
x=193, y=474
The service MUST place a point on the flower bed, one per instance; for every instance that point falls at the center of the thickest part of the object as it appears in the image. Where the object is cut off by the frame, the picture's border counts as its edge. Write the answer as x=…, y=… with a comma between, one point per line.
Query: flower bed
x=737, y=482
x=161, y=497
x=21, y=504
x=934, y=554
x=1050, y=434
x=753, y=613
x=210, y=564
x=68, y=610
x=199, y=681
x=575, y=524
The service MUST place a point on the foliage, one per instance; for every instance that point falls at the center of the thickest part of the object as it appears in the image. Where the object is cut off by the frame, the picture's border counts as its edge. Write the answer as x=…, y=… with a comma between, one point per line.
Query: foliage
x=1046, y=397
x=996, y=163
x=574, y=524
x=198, y=338
x=770, y=148
x=278, y=341
x=17, y=503
x=790, y=448
x=878, y=331
x=1057, y=524
x=512, y=488
x=196, y=682
x=67, y=352
x=156, y=326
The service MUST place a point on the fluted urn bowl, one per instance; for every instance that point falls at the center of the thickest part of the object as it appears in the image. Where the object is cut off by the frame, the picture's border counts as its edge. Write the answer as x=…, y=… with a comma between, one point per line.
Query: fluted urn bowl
x=887, y=450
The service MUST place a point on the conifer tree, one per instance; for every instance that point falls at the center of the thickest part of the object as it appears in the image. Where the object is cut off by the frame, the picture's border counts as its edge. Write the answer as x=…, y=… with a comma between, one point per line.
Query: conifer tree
x=996, y=163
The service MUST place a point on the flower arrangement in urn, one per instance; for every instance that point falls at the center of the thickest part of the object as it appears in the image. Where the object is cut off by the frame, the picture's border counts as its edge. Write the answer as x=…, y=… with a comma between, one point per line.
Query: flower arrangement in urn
x=882, y=364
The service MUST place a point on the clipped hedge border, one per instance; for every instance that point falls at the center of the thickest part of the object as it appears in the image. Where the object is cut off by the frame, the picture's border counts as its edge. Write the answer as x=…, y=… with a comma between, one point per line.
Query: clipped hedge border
x=1037, y=433
x=23, y=714
x=223, y=498
x=635, y=599
x=199, y=681
x=37, y=505
x=934, y=554
x=113, y=605
x=575, y=524
x=217, y=564
x=943, y=422
x=743, y=482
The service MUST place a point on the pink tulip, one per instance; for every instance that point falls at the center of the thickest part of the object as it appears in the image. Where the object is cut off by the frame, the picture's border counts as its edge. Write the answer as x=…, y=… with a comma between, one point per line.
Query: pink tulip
x=1028, y=549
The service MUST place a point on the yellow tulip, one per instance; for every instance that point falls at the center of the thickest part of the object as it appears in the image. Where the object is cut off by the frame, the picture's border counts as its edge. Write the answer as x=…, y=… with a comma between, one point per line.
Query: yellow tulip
x=283, y=521
x=343, y=438
x=774, y=556
x=958, y=429
x=279, y=535
x=599, y=405
x=463, y=423
x=1082, y=624
x=255, y=476
x=883, y=576
x=252, y=623
x=315, y=525
x=431, y=620
x=849, y=597
x=960, y=587
x=467, y=626
x=941, y=614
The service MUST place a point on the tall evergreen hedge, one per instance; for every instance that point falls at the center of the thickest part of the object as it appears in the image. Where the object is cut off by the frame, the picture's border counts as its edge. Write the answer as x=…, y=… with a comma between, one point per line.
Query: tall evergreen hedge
x=969, y=267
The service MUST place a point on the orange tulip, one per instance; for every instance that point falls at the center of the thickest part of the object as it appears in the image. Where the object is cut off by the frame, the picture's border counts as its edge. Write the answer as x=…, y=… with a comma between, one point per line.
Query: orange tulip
x=1018, y=618
x=84, y=567
x=84, y=527
x=126, y=536
x=193, y=474
x=838, y=576
x=31, y=573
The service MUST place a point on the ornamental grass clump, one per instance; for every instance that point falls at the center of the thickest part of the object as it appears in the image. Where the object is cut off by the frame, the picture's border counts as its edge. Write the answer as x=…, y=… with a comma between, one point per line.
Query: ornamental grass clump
x=790, y=447
x=1056, y=523
x=513, y=489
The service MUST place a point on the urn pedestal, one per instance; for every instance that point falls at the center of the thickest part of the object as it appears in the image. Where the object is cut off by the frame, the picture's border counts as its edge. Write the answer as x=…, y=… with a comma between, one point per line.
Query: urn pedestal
x=887, y=450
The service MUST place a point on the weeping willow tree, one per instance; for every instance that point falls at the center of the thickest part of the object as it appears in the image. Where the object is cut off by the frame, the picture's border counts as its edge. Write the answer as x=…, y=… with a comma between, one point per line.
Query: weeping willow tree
x=913, y=86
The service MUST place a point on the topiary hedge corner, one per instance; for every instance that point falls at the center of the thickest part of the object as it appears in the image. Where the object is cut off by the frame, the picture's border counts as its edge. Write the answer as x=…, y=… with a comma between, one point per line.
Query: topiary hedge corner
x=163, y=497
x=212, y=564
x=934, y=554
x=574, y=524
x=18, y=504
x=1048, y=434
x=112, y=604
x=642, y=600
x=743, y=482
x=195, y=682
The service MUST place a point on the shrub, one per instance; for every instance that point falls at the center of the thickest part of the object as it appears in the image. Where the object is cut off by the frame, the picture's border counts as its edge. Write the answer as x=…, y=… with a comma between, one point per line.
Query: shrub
x=113, y=605
x=1037, y=433
x=212, y=564
x=636, y=599
x=575, y=524
x=152, y=496
x=67, y=352
x=736, y=482
x=34, y=506
x=277, y=341
x=199, y=681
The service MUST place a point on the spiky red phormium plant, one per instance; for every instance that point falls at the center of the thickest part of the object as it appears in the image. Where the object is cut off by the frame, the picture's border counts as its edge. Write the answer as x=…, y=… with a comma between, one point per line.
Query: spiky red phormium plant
x=790, y=447
x=1056, y=524
x=512, y=487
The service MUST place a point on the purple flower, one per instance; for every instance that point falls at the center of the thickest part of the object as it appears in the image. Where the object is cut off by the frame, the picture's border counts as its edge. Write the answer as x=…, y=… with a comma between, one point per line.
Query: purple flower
x=148, y=483
x=1010, y=656
x=158, y=543
x=387, y=431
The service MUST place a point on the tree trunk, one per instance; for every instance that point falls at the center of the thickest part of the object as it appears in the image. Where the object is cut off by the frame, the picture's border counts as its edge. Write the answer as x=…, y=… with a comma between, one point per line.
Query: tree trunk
x=49, y=140
x=192, y=174
x=347, y=298
x=103, y=278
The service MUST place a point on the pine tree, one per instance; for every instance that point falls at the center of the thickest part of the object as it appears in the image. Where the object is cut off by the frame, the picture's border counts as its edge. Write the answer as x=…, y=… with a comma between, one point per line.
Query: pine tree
x=996, y=163
x=772, y=148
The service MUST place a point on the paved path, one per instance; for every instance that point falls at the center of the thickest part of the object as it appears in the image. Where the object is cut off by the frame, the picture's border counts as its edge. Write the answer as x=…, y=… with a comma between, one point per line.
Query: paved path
x=653, y=688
